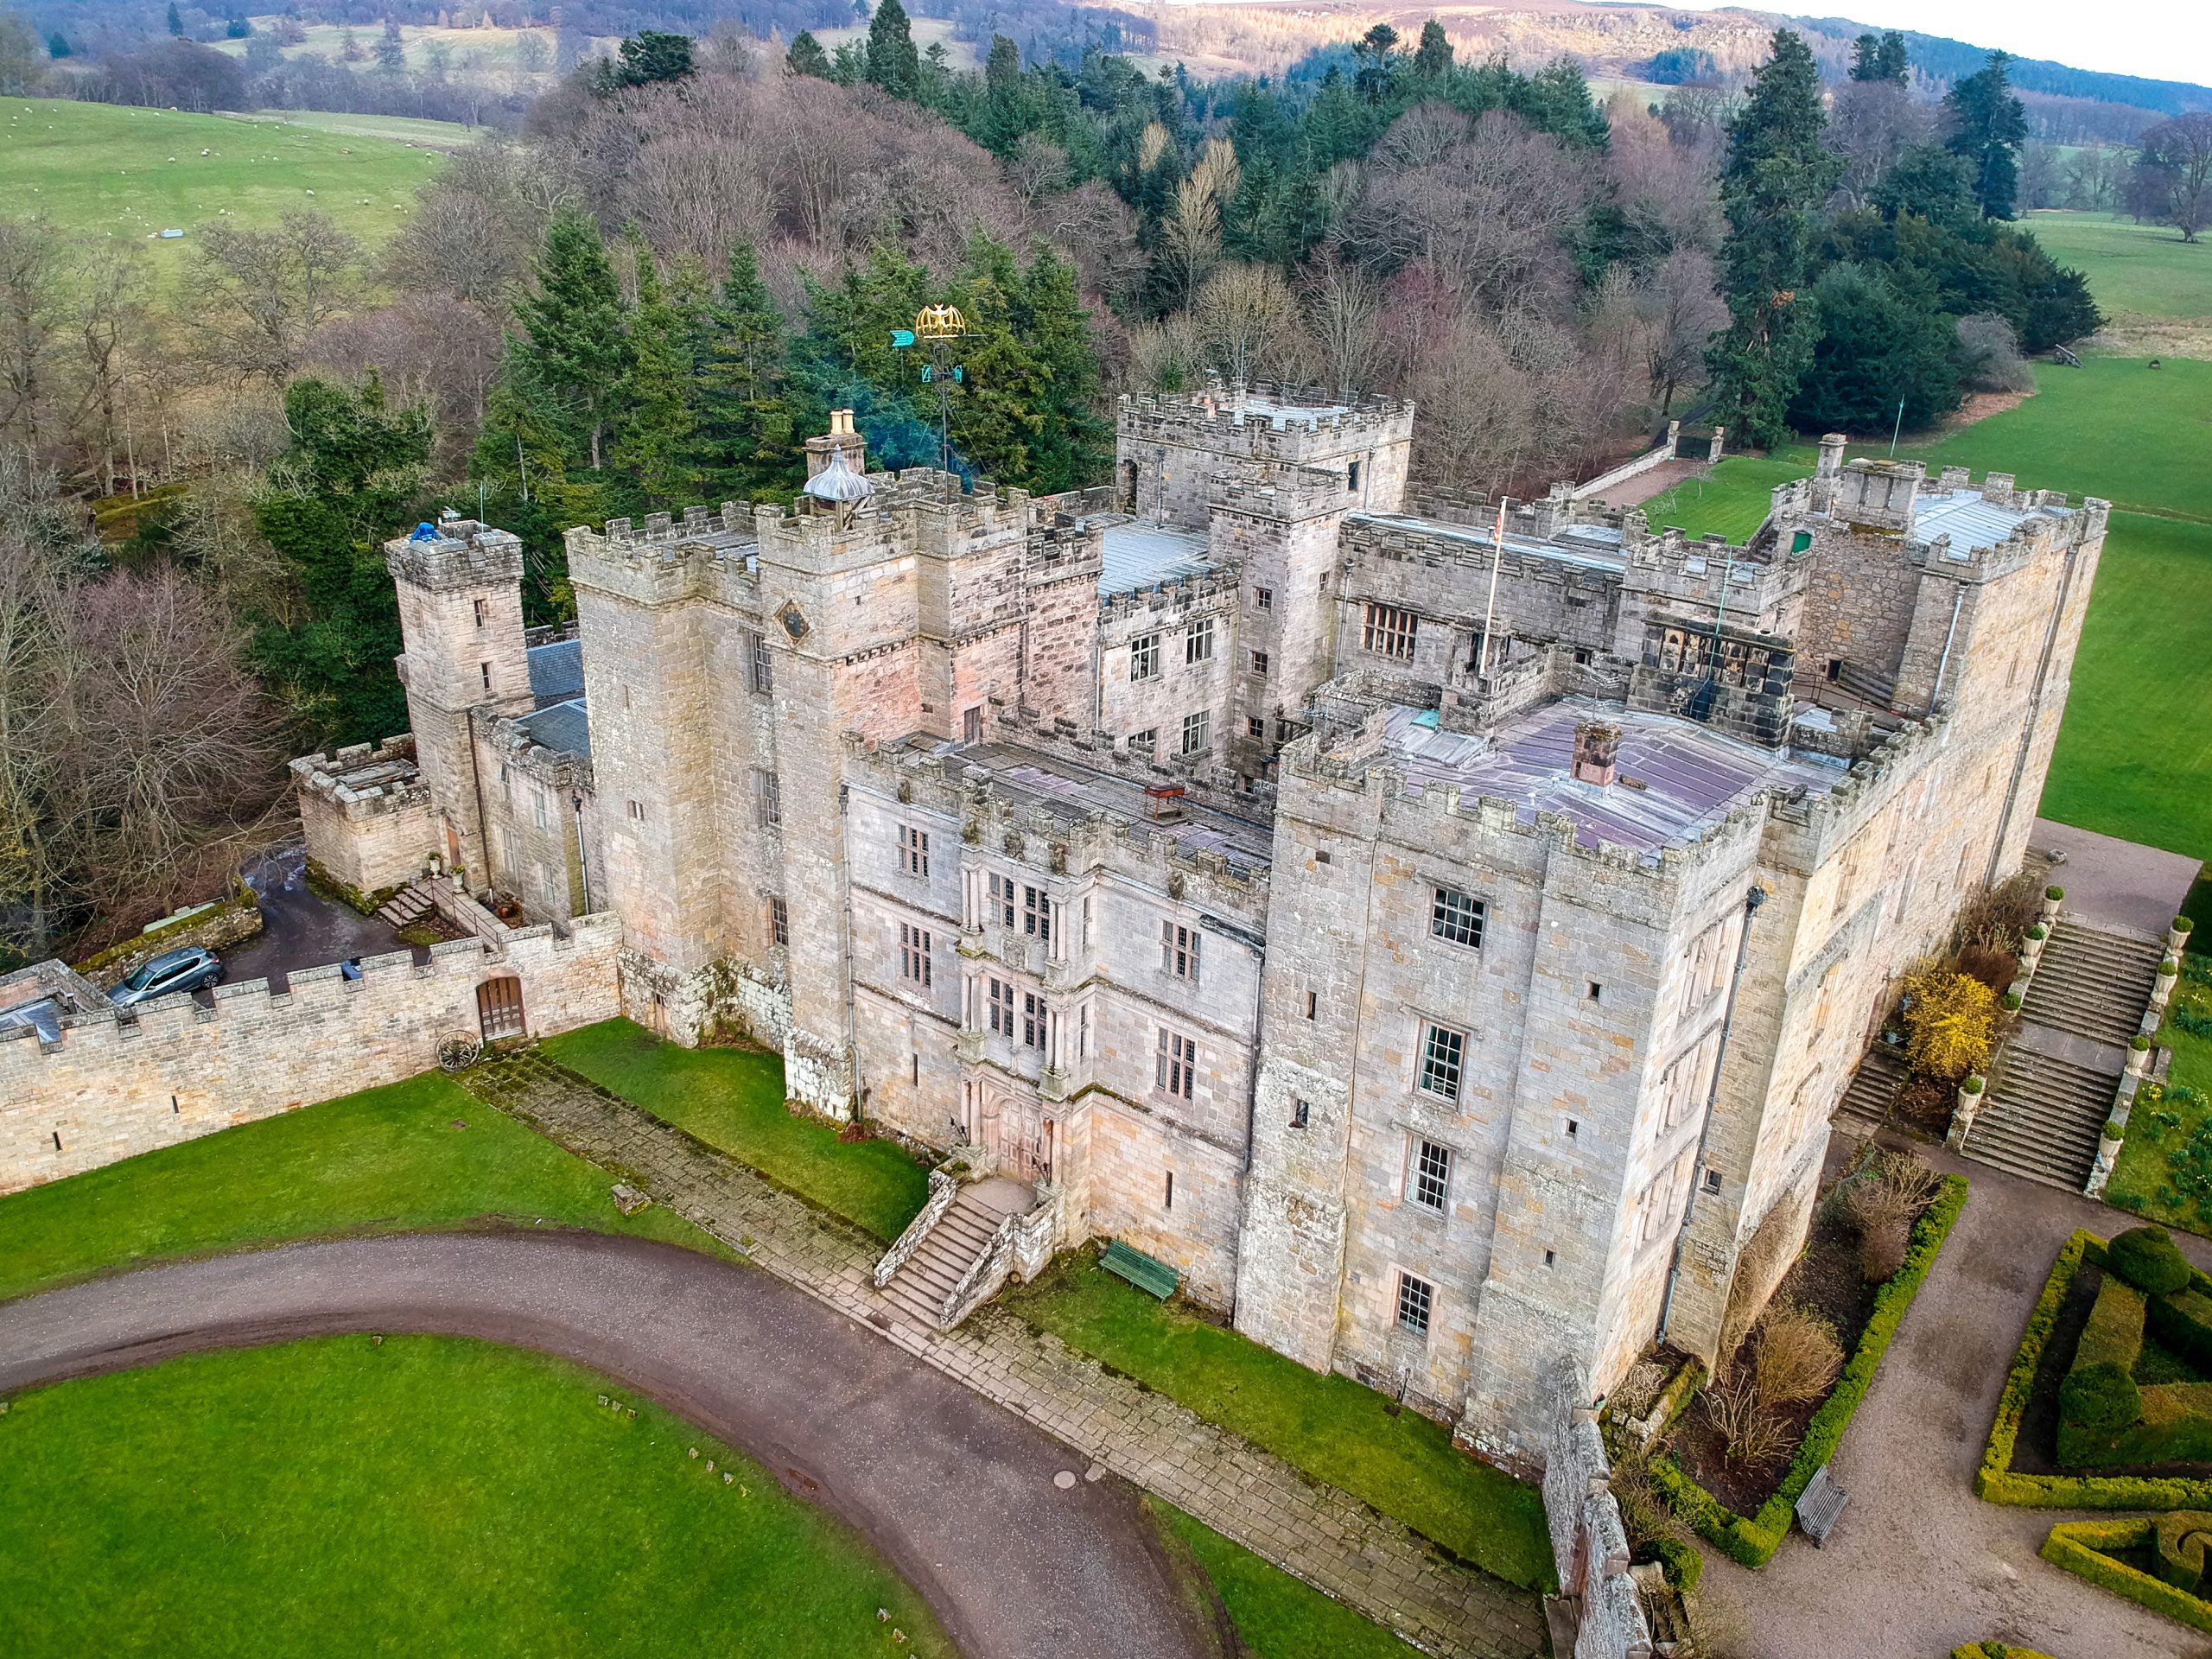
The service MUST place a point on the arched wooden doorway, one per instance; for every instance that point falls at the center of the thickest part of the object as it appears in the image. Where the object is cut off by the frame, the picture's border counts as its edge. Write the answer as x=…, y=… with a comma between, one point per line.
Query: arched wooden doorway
x=499, y=1007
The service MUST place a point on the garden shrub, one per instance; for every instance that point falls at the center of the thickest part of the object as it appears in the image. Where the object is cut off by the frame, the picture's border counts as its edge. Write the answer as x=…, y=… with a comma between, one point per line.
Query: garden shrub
x=1951, y=1019
x=2148, y=1259
x=2090, y=1550
x=2174, y=1424
x=2113, y=1335
x=2184, y=1535
x=2099, y=1398
x=2183, y=1323
x=1752, y=1540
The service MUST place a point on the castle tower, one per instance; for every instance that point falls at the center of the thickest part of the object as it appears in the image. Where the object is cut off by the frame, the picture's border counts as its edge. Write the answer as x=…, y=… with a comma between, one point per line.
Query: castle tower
x=460, y=588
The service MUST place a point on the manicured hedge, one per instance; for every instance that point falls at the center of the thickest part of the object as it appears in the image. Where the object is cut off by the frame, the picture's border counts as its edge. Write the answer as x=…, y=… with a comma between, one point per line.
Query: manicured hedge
x=2175, y=1428
x=1752, y=1540
x=1996, y=1483
x=2183, y=1323
x=2082, y=1548
x=1994, y=1649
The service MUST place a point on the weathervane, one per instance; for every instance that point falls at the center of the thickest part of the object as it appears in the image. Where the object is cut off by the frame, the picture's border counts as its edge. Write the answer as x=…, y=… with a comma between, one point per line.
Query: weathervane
x=939, y=326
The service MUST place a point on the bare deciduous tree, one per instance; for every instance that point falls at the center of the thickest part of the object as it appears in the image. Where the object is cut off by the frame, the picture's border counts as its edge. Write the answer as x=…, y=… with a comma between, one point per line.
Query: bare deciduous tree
x=264, y=293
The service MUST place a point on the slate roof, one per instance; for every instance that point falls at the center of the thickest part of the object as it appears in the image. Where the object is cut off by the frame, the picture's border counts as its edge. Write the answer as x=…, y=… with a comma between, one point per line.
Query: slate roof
x=1138, y=554
x=1968, y=519
x=557, y=672
x=564, y=728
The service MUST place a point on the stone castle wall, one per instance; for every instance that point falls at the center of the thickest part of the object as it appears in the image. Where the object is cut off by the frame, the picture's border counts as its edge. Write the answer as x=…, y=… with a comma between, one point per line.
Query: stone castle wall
x=113, y=1087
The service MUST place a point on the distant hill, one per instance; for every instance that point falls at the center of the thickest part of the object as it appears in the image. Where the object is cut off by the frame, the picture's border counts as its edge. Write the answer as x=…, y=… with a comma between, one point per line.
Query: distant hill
x=1947, y=60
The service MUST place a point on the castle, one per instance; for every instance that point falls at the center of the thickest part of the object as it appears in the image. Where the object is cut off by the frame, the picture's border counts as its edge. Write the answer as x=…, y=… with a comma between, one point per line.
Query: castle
x=1445, y=949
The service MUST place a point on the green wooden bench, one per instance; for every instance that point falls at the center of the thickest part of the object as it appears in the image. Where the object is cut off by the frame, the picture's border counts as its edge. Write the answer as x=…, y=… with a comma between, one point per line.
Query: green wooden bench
x=1142, y=1270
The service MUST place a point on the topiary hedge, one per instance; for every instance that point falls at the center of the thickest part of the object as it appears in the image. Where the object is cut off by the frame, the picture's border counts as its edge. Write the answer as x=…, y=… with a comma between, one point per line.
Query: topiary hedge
x=2086, y=1548
x=1994, y=1649
x=2184, y=1536
x=2148, y=1259
x=1997, y=1482
x=2183, y=1323
x=1752, y=1540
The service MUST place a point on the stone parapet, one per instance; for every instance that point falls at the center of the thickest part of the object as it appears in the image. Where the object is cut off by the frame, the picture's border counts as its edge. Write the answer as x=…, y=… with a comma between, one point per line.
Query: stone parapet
x=460, y=553
x=1231, y=420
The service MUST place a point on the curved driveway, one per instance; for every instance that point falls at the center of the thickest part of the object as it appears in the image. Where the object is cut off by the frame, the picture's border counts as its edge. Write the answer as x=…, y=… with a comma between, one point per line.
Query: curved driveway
x=955, y=1492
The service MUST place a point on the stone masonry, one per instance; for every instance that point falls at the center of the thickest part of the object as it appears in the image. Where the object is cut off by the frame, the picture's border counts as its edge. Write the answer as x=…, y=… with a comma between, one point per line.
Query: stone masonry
x=1444, y=948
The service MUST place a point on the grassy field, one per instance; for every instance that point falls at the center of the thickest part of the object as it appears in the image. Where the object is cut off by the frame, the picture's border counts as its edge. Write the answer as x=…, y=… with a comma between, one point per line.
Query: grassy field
x=1276, y=1616
x=2134, y=269
x=1330, y=1427
x=396, y=129
x=134, y=173
x=1731, y=499
x=462, y=51
x=2164, y=1169
x=422, y=1494
x=382, y=1161
x=733, y=1099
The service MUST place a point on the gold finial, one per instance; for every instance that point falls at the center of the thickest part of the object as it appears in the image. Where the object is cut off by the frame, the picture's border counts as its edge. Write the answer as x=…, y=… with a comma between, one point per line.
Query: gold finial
x=940, y=322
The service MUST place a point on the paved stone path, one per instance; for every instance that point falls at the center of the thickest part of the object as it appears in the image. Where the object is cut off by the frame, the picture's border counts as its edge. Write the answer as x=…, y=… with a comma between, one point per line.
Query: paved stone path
x=1318, y=1534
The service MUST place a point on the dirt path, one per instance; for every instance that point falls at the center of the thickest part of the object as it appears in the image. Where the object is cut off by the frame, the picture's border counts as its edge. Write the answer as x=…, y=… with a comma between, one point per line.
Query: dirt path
x=1919, y=1565
x=957, y=1494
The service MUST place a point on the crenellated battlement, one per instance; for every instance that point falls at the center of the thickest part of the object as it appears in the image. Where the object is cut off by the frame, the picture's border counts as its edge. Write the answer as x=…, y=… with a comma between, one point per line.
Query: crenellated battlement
x=1265, y=422
x=455, y=553
x=1177, y=596
x=363, y=781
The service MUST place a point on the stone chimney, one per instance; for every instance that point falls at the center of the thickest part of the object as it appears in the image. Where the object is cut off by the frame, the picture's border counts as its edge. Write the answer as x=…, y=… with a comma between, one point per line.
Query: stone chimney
x=842, y=439
x=1596, y=752
x=1829, y=470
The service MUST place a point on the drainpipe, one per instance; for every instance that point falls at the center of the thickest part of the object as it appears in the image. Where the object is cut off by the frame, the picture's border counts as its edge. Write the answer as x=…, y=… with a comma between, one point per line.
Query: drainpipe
x=583, y=856
x=1958, y=600
x=1752, y=900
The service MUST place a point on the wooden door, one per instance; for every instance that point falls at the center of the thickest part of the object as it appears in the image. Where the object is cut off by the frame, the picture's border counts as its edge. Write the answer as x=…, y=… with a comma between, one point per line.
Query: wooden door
x=1023, y=1140
x=499, y=1007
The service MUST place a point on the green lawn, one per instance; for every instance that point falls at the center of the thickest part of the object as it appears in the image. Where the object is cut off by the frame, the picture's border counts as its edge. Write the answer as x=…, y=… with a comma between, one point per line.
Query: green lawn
x=2164, y=1169
x=134, y=173
x=386, y=1160
x=1276, y=1616
x=425, y=1495
x=733, y=1099
x=399, y=128
x=2134, y=269
x=1731, y=499
x=1330, y=1427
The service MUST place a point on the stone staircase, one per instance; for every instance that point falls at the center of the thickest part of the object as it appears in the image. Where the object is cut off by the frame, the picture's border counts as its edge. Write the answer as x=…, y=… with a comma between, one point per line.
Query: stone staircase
x=917, y=1292
x=2042, y=1118
x=1865, y=1107
x=408, y=905
x=2093, y=983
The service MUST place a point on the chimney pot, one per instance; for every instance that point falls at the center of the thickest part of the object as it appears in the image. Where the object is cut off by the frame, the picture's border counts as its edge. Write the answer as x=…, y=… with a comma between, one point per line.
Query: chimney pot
x=1596, y=752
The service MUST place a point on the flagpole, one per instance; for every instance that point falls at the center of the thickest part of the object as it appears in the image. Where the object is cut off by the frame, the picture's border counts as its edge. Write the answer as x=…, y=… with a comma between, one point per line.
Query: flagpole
x=1490, y=611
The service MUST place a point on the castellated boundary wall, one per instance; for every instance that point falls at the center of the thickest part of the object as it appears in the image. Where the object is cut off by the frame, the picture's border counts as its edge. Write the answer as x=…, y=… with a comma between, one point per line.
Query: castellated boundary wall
x=113, y=1087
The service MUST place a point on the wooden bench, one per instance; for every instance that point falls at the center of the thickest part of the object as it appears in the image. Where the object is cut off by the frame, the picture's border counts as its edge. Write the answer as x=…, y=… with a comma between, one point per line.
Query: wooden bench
x=1142, y=1270
x=1820, y=1506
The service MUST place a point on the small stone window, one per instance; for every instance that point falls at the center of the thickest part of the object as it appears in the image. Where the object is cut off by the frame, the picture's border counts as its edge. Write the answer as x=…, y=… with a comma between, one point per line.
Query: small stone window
x=636, y=810
x=1443, y=1052
x=1713, y=1180
x=1592, y=991
x=1416, y=1298
x=1198, y=641
x=1431, y=1175
x=1146, y=741
x=537, y=807
x=1301, y=1115
x=1002, y=1007
x=1390, y=631
x=779, y=921
x=1254, y=727
x=1144, y=658
x=1175, y=1066
x=1037, y=914
x=767, y=799
x=915, y=963
x=1264, y=598
x=1001, y=899
x=1456, y=917
x=760, y=670
x=1351, y=478
x=1032, y=1020
x=913, y=851
x=1179, y=951
x=1260, y=663
x=484, y=669
x=1195, y=732
x=482, y=610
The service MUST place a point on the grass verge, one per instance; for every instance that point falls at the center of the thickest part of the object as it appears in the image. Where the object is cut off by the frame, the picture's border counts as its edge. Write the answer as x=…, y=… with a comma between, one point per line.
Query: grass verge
x=386, y=1160
x=423, y=1494
x=1330, y=1427
x=1276, y=1616
x=1731, y=499
x=733, y=1100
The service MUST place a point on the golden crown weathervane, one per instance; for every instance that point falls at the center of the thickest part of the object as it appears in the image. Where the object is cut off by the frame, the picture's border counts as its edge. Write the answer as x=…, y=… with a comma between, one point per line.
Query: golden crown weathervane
x=939, y=323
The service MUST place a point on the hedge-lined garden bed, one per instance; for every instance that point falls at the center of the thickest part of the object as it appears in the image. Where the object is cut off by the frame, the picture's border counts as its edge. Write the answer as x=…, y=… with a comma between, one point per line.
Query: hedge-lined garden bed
x=2020, y=1465
x=2121, y=1555
x=1753, y=1539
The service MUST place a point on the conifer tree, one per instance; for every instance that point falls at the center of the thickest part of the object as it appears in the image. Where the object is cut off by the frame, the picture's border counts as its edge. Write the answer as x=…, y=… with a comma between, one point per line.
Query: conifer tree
x=806, y=56
x=1075, y=445
x=656, y=428
x=1433, y=58
x=177, y=23
x=573, y=354
x=1879, y=57
x=742, y=441
x=1988, y=126
x=893, y=62
x=1775, y=177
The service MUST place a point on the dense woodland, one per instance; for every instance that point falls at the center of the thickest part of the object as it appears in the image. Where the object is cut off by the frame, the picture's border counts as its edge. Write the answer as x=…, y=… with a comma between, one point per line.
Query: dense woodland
x=694, y=249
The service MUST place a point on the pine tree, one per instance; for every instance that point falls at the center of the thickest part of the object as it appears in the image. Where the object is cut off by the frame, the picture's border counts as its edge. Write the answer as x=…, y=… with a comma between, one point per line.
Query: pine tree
x=573, y=354
x=893, y=62
x=392, y=51
x=1777, y=175
x=742, y=439
x=1433, y=59
x=1988, y=126
x=176, y=21
x=654, y=440
x=1879, y=57
x=806, y=56
x=1075, y=446
x=997, y=406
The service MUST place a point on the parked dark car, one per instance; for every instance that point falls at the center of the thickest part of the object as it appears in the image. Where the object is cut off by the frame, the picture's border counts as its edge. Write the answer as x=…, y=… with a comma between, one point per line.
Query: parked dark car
x=189, y=970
